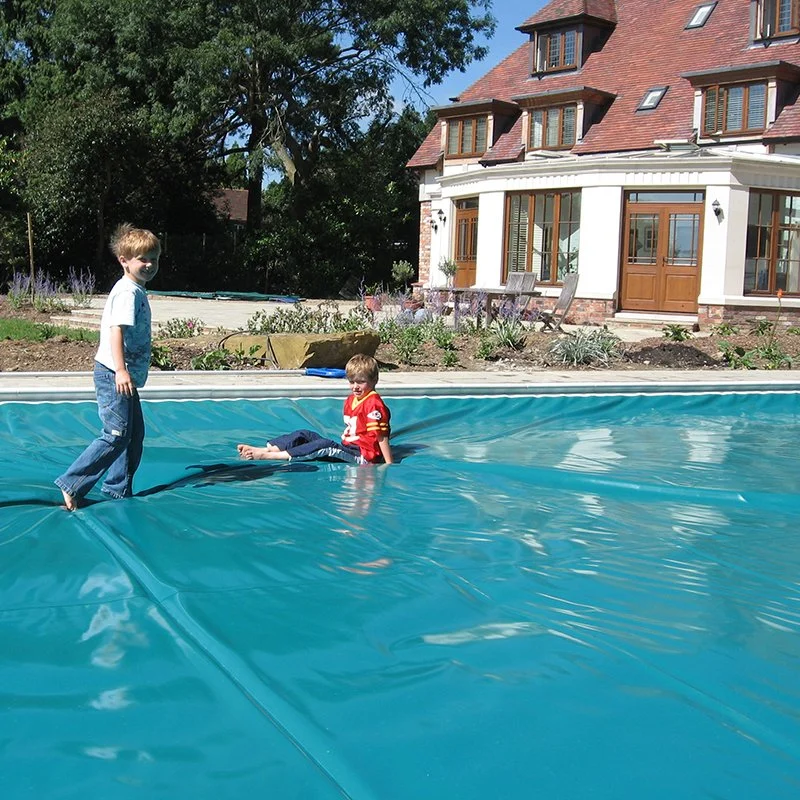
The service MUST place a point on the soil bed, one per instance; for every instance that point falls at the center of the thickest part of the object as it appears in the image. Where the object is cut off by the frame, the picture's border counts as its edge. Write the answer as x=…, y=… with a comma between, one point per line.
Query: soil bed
x=61, y=354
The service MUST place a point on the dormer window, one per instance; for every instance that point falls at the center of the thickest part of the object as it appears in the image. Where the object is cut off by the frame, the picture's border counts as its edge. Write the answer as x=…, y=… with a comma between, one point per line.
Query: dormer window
x=778, y=18
x=556, y=50
x=467, y=136
x=553, y=128
x=736, y=109
x=701, y=15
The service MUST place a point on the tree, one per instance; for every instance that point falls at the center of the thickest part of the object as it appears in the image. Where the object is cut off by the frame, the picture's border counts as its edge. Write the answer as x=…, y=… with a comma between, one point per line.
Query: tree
x=355, y=216
x=292, y=78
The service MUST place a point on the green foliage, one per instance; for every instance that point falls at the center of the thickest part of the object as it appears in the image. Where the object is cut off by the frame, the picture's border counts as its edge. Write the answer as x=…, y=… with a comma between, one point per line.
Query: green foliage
x=24, y=330
x=180, y=328
x=402, y=273
x=212, y=360
x=676, y=333
x=450, y=358
x=408, y=342
x=448, y=267
x=161, y=357
x=794, y=330
x=301, y=319
x=724, y=329
x=584, y=347
x=761, y=327
x=487, y=347
x=509, y=332
x=769, y=356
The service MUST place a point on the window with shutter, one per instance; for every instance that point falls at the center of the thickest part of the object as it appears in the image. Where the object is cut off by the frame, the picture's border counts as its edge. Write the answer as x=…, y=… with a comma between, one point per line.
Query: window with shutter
x=735, y=109
x=553, y=128
x=467, y=136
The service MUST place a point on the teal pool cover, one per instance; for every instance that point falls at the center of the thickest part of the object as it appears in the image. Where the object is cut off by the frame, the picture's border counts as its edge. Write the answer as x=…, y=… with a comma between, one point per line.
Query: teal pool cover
x=548, y=597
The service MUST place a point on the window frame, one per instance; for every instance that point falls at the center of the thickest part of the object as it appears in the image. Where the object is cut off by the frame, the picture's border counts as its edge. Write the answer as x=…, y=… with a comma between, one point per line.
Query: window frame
x=644, y=106
x=543, y=48
x=558, y=222
x=721, y=112
x=460, y=122
x=769, y=13
x=770, y=235
x=547, y=111
x=699, y=18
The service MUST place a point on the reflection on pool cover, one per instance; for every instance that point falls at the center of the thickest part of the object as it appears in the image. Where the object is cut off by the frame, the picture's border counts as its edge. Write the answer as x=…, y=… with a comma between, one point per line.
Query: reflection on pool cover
x=548, y=597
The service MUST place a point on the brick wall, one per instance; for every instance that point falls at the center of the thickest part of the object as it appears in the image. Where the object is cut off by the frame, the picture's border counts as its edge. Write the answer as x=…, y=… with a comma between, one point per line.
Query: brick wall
x=425, y=232
x=583, y=309
x=743, y=315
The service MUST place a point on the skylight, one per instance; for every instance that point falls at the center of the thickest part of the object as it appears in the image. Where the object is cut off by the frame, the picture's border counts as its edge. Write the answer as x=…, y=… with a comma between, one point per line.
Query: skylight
x=652, y=97
x=701, y=15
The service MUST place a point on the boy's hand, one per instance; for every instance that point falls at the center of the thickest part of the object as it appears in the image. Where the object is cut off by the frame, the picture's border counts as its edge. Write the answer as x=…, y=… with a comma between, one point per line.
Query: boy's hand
x=123, y=382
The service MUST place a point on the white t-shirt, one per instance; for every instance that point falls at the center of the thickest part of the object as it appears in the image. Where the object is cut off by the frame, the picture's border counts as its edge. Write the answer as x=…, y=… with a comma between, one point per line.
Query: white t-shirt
x=127, y=306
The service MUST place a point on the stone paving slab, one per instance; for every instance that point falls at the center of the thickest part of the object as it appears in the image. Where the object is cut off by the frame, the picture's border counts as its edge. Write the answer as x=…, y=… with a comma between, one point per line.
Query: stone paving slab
x=19, y=386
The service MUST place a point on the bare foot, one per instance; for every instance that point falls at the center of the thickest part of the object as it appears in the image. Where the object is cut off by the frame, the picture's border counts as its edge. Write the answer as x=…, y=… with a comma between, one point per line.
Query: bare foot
x=70, y=502
x=268, y=453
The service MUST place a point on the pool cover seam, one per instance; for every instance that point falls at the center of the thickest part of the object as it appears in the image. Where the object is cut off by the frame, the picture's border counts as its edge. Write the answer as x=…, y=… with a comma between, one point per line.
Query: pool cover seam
x=233, y=667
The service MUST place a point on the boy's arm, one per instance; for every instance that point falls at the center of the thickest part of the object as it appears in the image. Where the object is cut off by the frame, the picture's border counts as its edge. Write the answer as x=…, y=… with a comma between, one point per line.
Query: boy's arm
x=386, y=449
x=122, y=377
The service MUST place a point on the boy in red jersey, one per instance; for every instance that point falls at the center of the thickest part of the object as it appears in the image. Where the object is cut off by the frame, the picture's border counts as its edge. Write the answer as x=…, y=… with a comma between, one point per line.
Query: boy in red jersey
x=366, y=434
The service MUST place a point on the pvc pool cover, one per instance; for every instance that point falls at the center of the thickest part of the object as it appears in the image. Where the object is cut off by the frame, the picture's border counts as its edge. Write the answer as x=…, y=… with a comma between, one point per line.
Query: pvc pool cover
x=549, y=597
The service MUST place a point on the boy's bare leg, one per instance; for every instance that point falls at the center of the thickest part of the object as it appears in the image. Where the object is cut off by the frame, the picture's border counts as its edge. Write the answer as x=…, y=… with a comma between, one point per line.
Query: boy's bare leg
x=268, y=453
x=70, y=502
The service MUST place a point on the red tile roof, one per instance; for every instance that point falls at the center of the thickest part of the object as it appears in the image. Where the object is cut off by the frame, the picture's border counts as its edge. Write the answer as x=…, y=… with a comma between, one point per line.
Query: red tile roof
x=648, y=47
x=563, y=9
x=232, y=204
x=429, y=152
x=508, y=147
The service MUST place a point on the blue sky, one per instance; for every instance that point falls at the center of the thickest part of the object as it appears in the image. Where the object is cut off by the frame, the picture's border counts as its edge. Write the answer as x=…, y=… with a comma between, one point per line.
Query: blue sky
x=509, y=14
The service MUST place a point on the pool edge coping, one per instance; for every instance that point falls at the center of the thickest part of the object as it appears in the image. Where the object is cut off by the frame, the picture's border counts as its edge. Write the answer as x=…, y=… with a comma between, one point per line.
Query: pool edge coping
x=77, y=386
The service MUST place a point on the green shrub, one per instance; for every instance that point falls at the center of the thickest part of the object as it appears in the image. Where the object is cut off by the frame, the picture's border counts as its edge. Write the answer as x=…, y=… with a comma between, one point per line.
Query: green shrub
x=487, y=348
x=407, y=343
x=212, y=360
x=180, y=328
x=676, y=333
x=761, y=327
x=724, y=329
x=161, y=357
x=509, y=332
x=450, y=358
x=584, y=346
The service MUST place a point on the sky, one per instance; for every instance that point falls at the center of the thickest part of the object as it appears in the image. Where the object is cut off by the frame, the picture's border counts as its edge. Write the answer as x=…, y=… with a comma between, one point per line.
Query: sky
x=506, y=39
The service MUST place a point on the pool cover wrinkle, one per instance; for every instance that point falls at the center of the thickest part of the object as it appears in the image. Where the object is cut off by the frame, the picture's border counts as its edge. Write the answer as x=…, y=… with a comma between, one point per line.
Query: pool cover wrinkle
x=548, y=597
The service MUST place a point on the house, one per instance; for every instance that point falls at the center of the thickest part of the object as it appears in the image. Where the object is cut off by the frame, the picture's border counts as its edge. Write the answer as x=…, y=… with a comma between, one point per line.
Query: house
x=654, y=147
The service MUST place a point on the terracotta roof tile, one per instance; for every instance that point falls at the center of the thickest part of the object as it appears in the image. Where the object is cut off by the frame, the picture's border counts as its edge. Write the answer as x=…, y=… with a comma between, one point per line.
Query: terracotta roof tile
x=508, y=147
x=649, y=47
x=562, y=9
x=429, y=152
x=232, y=204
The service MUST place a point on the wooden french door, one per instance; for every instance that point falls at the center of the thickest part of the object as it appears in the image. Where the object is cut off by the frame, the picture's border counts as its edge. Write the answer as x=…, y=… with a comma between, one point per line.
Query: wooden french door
x=466, y=244
x=661, y=252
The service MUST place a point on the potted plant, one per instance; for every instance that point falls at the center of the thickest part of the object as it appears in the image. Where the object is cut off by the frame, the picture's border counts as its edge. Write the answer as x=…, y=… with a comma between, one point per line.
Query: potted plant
x=373, y=294
x=448, y=268
x=402, y=273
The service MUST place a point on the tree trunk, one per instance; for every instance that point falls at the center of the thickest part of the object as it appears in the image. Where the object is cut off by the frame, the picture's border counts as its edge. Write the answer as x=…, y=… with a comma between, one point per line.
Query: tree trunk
x=255, y=173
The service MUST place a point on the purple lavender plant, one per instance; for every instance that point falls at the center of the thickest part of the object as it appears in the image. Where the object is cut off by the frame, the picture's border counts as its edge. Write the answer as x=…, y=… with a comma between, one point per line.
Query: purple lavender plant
x=45, y=292
x=81, y=287
x=19, y=290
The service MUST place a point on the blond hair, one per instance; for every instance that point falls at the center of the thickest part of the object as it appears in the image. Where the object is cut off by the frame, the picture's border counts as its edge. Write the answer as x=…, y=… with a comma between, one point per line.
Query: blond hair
x=129, y=242
x=362, y=366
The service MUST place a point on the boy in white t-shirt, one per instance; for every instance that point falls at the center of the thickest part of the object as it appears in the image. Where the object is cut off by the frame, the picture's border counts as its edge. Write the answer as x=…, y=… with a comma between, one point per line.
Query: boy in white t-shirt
x=120, y=370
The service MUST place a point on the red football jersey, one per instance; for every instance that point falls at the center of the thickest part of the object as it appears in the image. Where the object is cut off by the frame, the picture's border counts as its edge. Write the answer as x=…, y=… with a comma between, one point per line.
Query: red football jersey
x=365, y=421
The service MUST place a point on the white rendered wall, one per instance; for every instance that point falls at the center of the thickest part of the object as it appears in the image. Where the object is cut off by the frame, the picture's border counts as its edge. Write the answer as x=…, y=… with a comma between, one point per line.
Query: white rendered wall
x=491, y=211
x=601, y=223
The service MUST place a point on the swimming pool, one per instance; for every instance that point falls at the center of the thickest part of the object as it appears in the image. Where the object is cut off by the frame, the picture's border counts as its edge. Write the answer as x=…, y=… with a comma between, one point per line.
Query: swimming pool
x=555, y=597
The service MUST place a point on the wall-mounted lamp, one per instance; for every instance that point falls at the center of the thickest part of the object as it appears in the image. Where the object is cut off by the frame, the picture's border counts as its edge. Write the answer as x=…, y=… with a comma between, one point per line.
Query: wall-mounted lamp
x=717, y=209
x=441, y=219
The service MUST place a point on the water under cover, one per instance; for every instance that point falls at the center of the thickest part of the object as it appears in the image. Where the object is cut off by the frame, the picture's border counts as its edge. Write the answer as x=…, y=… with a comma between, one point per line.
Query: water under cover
x=549, y=597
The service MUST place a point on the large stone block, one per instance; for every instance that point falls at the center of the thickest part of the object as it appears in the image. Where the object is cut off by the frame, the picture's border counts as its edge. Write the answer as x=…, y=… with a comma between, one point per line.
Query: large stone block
x=298, y=350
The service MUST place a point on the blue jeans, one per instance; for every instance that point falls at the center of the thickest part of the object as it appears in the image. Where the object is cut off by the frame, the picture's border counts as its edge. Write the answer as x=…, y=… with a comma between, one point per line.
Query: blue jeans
x=118, y=449
x=304, y=445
